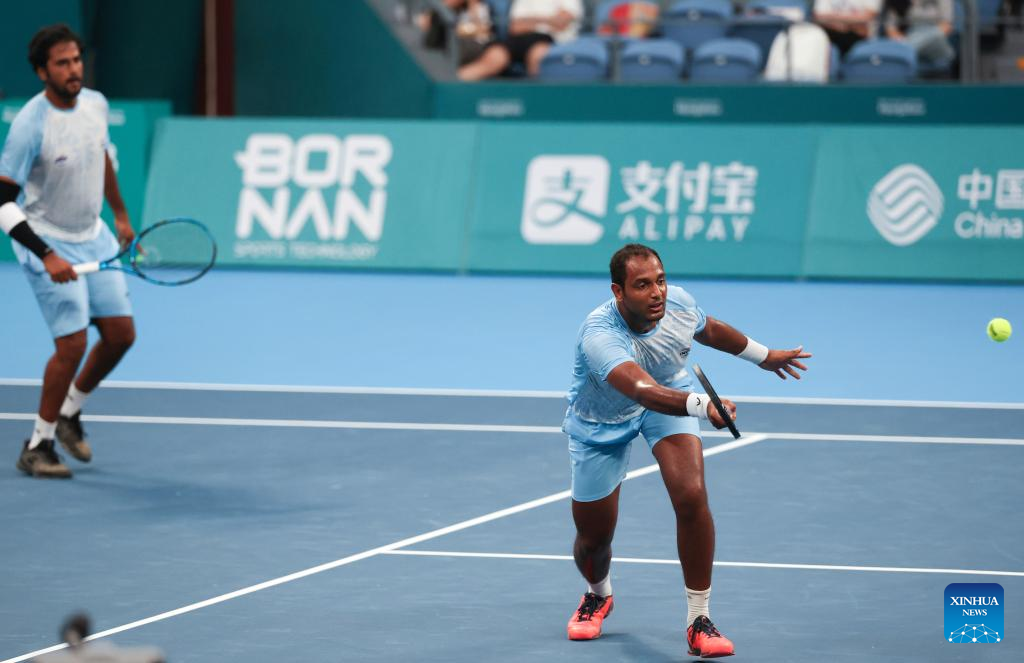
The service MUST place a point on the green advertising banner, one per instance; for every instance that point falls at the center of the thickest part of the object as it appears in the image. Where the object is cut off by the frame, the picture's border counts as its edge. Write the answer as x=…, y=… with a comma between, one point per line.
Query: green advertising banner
x=937, y=203
x=741, y=200
x=319, y=193
x=710, y=200
x=131, y=128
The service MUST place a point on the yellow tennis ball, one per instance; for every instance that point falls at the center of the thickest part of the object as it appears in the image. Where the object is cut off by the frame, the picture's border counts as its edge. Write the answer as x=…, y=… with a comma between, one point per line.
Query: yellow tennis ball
x=999, y=329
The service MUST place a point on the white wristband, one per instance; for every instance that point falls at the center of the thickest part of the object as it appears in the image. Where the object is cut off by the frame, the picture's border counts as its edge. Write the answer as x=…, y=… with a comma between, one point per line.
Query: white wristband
x=697, y=405
x=10, y=216
x=755, y=353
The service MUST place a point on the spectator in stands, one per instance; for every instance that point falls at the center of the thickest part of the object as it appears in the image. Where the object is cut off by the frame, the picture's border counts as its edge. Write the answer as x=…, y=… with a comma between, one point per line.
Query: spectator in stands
x=473, y=29
x=925, y=25
x=631, y=19
x=847, y=21
x=533, y=26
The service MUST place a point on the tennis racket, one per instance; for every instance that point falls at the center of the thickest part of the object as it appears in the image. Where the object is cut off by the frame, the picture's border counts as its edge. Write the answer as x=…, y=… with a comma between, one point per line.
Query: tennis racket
x=170, y=252
x=716, y=401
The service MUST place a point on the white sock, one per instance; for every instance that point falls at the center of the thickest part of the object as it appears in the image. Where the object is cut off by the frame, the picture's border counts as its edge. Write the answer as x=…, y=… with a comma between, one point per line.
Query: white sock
x=603, y=588
x=697, y=604
x=73, y=402
x=44, y=430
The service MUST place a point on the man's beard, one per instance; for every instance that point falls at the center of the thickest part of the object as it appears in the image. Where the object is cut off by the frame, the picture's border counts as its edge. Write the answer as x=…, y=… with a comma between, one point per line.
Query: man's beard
x=66, y=94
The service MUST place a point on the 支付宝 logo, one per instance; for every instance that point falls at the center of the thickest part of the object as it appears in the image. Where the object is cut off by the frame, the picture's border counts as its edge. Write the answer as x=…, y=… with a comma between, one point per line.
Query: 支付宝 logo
x=574, y=199
x=973, y=612
x=905, y=205
x=566, y=197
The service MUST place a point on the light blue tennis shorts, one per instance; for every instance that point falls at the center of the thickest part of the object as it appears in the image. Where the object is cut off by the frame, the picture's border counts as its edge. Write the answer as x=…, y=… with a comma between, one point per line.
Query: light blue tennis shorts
x=68, y=307
x=599, y=453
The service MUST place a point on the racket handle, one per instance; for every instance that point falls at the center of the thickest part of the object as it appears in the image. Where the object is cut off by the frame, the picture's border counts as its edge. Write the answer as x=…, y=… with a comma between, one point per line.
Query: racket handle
x=87, y=267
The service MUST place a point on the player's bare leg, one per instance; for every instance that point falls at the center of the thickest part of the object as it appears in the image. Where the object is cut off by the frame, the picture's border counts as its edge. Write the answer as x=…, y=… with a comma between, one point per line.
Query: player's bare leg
x=117, y=334
x=681, y=459
x=60, y=371
x=592, y=550
x=38, y=458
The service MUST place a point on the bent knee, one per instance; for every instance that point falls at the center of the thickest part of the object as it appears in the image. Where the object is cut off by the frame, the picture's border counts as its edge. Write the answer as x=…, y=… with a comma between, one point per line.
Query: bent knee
x=124, y=340
x=72, y=347
x=690, y=499
x=118, y=335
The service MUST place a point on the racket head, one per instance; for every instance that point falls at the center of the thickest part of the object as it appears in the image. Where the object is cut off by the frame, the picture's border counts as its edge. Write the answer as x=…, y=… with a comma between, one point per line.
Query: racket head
x=715, y=400
x=172, y=252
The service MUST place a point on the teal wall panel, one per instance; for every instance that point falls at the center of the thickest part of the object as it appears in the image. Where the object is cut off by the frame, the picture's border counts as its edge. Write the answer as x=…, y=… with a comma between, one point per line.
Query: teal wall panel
x=18, y=22
x=314, y=58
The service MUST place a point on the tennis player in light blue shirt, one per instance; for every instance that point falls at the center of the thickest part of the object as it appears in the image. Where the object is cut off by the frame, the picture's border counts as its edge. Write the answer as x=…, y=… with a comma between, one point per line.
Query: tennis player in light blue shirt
x=629, y=379
x=54, y=173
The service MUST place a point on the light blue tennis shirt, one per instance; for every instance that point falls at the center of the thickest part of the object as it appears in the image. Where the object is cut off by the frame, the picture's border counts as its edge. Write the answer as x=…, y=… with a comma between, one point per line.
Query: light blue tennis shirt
x=606, y=341
x=57, y=157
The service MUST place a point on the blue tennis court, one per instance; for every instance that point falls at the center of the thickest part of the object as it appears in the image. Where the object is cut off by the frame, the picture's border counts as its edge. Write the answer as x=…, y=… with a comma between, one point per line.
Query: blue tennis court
x=374, y=516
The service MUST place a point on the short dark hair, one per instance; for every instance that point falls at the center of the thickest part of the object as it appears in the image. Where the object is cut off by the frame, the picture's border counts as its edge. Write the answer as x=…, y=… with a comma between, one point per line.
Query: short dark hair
x=47, y=38
x=623, y=256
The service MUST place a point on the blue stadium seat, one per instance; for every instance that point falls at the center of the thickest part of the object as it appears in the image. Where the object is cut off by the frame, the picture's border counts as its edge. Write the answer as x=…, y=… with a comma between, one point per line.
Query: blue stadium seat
x=762, y=20
x=758, y=28
x=726, y=59
x=584, y=59
x=693, y=22
x=652, y=60
x=794, y=10
x=880, y=61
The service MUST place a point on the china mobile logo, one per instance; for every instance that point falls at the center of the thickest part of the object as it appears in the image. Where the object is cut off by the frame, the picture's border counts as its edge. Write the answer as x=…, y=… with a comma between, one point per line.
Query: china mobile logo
x=288, y=183
x=565, y=199
x=905, y=205
x=973, y=613
x=995, y=204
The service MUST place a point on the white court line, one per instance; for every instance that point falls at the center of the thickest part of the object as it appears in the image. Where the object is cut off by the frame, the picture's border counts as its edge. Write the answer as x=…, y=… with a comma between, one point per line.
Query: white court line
x=506, y=393
x=965, y=405
x=413, y=540
x=752, y=565
x=305, y=389
x=493, y=428
x=909, y=439
x=299, y=423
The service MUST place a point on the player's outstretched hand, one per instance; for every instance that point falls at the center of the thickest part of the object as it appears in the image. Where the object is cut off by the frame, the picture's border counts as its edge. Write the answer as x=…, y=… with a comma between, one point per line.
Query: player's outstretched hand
x=715, y=418
x=59, y=269
x=785, y=361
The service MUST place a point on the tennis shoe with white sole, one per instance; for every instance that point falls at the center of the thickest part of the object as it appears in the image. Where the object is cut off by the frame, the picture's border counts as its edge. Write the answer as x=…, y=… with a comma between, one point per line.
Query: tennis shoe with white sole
x=705, y=640
x=72, y=437
x=585, y=623
x=42, y=462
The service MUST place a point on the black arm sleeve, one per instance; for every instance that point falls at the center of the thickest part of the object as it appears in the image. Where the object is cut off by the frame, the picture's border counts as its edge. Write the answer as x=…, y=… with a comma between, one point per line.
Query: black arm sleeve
x=31, y=241
x=22, y=233
x=8, y=192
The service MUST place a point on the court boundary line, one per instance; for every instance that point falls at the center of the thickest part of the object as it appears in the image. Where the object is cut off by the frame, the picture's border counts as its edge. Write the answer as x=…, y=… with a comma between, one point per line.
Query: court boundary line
x=675, y=562
x=498, y=428
x=510, y=393
x=372, y=552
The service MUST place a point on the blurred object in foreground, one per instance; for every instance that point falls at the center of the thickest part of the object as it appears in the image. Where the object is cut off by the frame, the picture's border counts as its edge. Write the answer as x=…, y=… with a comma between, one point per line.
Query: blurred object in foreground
x=76, y=629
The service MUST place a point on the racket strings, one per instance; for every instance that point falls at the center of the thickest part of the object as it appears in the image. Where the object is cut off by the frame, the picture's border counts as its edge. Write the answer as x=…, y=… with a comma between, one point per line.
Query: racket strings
x=174, y=251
